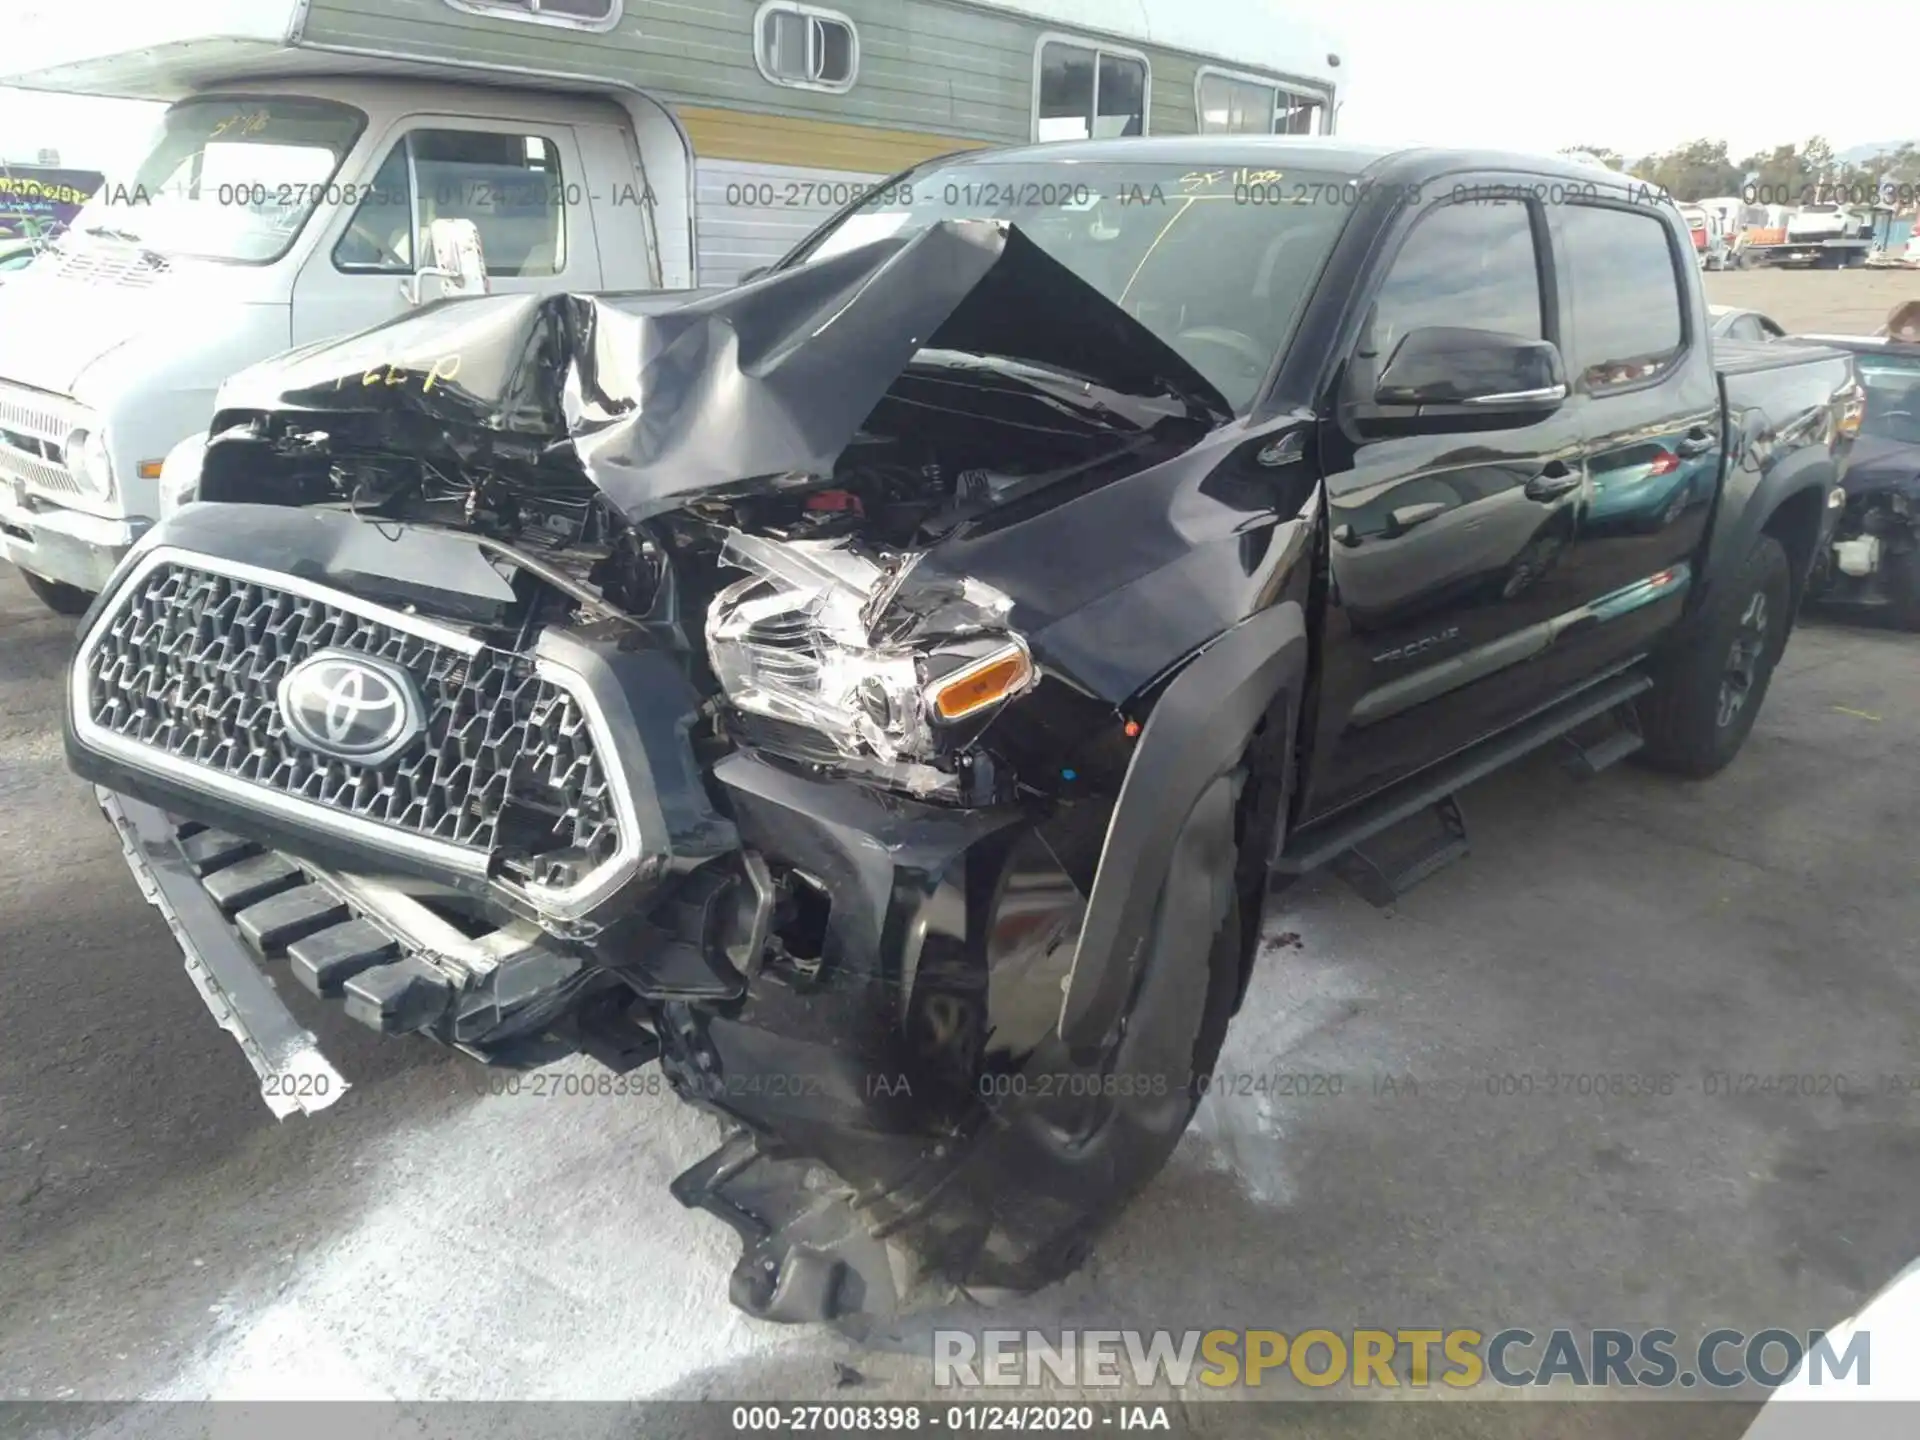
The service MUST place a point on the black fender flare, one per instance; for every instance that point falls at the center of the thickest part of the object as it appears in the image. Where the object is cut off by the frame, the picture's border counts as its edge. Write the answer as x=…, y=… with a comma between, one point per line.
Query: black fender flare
x=1196, y=733
x=1802, y=469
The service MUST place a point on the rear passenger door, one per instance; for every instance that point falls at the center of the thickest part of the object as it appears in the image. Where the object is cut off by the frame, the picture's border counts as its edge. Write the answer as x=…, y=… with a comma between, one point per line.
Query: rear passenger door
x=1648, y=406
x=519, y=182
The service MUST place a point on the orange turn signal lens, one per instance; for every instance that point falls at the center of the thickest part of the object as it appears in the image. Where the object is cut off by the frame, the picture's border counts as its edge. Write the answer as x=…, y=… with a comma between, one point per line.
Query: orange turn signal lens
x=148, y=469
x=982, y=684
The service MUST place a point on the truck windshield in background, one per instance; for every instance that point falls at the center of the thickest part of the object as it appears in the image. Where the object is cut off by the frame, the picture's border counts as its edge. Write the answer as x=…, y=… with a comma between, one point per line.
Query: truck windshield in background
x=229, y=179
x=1216, y=262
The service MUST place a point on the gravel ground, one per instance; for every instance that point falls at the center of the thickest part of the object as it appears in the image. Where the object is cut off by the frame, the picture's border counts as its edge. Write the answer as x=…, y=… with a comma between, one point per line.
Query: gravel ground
x=1845, y=302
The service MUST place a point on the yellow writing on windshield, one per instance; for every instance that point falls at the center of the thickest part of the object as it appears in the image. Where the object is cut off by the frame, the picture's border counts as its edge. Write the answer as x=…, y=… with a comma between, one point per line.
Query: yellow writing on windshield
x=250, y=122
x=1196, y=181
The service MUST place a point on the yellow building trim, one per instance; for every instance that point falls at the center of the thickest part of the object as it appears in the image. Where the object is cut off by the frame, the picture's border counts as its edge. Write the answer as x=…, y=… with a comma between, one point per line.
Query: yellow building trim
x=814, y=144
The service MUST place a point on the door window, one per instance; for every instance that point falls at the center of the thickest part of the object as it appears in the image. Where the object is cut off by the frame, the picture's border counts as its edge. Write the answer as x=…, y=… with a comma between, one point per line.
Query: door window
x=1084, y=92
x=1241, y=105
x=1473, y=265
x=1624, y=280
x=806, y=47
x=578, y=14
x=510, y=186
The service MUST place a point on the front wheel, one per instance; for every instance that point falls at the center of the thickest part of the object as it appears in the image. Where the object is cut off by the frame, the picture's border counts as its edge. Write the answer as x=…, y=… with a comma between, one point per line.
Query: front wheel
x=60, y=598
x=1708, y=691
x=1075, y=1135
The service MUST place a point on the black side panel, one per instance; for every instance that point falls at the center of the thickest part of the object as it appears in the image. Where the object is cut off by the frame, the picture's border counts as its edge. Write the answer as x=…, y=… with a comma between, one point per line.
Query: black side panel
x=1780, y=443
x=1197, y=732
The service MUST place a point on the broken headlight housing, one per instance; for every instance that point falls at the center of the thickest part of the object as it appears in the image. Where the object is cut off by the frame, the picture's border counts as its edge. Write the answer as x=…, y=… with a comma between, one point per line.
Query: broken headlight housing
x=853, y=662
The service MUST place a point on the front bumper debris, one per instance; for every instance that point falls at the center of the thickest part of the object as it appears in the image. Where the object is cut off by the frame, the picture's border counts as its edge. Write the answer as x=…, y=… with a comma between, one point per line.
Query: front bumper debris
x=246, y=916
x=294, y=1075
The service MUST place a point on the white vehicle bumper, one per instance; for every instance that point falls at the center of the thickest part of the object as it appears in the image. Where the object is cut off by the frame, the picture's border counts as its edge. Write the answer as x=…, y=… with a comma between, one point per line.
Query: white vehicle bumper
x=70, y=546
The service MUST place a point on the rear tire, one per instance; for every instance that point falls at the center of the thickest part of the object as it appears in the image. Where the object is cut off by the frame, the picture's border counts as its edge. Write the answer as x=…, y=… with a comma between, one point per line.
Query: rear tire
x=60, y=598
x=1708, y=691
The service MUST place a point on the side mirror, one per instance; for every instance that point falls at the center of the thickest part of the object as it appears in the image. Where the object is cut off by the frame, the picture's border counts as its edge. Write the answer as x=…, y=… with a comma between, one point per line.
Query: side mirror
x=459, y=263
x=1444, y=378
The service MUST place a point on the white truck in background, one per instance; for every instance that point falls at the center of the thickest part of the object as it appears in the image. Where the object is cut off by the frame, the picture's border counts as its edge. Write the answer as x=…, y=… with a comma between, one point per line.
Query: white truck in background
x=272, y=213
x=595, y=145
x=1825, y=236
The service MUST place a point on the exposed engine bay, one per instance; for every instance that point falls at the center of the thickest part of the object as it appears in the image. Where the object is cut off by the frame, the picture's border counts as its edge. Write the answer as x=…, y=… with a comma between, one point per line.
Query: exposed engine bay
x=749, y=684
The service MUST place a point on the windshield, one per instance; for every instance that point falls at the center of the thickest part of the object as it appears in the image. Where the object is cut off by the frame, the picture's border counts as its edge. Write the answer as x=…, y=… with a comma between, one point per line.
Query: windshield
x=227, y=179
x=1216, y=262
x=1893, y=396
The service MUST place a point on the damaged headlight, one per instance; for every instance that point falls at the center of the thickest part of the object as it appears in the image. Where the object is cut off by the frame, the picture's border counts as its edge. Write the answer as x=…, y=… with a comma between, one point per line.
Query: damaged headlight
x=820, y=636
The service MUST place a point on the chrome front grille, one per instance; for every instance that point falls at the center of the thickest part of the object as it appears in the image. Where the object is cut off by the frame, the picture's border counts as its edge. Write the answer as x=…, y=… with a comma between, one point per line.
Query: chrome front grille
x=182, y=674
x=120, y=267
x=33, y=427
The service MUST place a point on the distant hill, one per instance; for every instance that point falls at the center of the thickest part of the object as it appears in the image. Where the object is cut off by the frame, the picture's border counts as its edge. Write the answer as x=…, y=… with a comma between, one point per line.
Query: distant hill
x=1860, y=154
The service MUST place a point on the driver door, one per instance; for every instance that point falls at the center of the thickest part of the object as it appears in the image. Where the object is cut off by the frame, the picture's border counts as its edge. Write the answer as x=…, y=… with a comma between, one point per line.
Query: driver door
x=515, y=180
x=1445, y=549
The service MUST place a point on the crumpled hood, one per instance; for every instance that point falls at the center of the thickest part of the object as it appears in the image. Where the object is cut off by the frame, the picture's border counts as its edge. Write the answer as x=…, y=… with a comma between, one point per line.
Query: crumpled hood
x=666, y=395
x=1879, y=463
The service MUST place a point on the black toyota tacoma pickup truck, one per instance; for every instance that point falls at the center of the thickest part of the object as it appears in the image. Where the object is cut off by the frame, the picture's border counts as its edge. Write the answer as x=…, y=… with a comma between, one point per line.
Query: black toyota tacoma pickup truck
x=882, y=694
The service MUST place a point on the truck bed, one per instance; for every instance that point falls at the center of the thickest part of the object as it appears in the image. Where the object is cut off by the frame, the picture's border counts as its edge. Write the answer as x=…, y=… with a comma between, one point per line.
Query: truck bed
x=1751, y=357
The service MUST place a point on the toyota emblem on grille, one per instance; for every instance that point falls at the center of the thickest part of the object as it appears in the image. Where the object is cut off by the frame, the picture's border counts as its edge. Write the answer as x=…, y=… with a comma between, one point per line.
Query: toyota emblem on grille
x=351, y=707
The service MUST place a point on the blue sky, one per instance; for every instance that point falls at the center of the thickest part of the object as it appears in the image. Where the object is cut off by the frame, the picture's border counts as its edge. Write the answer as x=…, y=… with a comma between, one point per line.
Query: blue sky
x=1636, y=75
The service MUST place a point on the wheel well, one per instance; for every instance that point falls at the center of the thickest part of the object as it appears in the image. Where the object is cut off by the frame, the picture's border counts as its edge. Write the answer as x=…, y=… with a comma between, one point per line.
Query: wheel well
x=1796, y=525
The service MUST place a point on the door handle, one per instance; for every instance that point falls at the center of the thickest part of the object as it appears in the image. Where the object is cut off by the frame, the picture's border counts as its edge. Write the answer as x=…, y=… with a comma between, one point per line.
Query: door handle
x=1554, y=480
x=1696, y=442
x=1407, y=516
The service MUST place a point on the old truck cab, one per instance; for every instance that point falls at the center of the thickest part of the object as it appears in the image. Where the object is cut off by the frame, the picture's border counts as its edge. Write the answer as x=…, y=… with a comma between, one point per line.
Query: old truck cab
x=283, y=199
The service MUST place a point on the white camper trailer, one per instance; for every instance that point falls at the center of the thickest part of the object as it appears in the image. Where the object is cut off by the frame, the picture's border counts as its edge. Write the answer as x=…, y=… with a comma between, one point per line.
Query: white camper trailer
x=291, y=190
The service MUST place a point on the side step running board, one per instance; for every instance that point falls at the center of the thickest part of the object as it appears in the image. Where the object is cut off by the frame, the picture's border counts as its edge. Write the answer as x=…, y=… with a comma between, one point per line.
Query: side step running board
x=1619, y=738
x=1381, y=880
x=1321, y=844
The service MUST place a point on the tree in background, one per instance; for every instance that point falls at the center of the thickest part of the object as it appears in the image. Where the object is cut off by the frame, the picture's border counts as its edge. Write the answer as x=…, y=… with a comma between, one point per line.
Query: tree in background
x=1698, y=170
x=1612, y=159
x=1785, y=175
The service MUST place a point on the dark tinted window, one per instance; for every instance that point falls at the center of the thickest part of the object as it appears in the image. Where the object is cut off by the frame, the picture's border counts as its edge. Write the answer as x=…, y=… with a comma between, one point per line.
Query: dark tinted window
x=1087, y=93
x=1066, y=93
x=1471, y=265
x=1122, y=101
x=1625, y=293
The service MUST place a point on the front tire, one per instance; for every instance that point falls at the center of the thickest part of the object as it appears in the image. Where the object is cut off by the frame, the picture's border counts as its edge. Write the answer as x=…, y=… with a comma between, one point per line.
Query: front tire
x=60, y=598
x=1084, y=1132
x=1708, y=691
